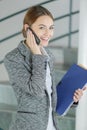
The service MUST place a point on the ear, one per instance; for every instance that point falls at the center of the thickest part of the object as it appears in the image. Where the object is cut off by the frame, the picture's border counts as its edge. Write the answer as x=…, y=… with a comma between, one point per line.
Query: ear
x=26, y=27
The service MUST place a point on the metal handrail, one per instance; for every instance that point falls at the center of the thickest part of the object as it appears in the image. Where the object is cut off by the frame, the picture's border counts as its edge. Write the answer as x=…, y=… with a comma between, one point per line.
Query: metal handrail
x=64, y=35
x=23, y=10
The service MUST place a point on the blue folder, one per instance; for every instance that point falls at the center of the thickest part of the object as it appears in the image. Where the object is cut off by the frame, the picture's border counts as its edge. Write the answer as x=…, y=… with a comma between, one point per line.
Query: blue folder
x=75, y=77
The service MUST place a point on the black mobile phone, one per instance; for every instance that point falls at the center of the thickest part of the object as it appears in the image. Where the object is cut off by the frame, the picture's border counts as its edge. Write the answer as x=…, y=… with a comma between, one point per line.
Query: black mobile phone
x=36, y=37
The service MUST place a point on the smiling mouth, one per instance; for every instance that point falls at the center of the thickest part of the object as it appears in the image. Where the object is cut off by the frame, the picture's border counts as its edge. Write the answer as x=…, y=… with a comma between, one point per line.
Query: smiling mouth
x=45, y=39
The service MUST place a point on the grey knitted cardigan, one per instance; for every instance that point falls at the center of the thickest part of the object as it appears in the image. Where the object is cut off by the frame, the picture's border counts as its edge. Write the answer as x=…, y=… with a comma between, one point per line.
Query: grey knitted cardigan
x=27, y=74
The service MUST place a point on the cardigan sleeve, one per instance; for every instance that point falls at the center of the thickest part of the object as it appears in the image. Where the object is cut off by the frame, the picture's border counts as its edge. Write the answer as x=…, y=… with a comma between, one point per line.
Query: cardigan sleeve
x=29, y=78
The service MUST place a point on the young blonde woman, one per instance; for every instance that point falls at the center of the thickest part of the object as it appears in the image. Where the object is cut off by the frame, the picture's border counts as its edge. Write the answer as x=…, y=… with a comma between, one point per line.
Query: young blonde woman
x=30, y=69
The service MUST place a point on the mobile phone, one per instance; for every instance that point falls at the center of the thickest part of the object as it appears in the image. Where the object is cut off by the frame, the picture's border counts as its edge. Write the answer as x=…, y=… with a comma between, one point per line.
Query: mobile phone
x=36, y=37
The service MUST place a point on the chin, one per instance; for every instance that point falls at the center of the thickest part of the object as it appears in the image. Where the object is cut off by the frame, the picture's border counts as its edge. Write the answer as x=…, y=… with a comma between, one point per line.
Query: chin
x=44, y=44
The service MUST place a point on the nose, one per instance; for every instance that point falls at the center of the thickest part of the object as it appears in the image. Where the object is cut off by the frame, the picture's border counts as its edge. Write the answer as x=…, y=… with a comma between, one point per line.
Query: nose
x=47, y=32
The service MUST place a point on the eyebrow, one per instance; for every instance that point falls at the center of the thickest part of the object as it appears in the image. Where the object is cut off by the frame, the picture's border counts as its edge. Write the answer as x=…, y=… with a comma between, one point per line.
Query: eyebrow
x=45, y=25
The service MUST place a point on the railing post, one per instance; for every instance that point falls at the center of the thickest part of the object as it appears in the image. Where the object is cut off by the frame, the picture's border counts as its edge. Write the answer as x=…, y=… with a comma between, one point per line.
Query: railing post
x=81, y=112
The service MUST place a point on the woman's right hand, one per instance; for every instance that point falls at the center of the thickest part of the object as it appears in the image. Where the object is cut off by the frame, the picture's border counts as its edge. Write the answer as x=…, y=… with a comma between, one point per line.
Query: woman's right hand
x=31, y=43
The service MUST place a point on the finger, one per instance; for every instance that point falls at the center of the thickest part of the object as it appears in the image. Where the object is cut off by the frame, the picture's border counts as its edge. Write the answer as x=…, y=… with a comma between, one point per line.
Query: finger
x=30, y=39
x=75, y=99
x=79, y=91
x=78, y=94
x=28, y=31
x=84, y=88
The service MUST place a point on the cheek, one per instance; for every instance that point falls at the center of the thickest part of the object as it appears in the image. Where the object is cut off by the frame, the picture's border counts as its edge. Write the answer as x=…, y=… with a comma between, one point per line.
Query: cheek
x=51, y=34
x=38, y=33
x=41, y=33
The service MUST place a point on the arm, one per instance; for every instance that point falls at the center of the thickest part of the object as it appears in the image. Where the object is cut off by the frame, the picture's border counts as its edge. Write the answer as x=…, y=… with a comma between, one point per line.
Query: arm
x=31, y=79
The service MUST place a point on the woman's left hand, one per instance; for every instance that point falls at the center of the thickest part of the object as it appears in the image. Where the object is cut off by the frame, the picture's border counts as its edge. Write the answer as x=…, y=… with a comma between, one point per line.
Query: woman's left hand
x=78, y=94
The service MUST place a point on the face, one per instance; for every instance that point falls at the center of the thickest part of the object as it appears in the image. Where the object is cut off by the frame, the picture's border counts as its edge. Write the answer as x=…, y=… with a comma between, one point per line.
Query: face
x=44, y=28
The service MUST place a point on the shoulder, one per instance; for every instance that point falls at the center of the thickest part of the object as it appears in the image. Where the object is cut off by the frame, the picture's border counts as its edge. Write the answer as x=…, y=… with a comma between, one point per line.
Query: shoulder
x=12, y=55
x=18, y=53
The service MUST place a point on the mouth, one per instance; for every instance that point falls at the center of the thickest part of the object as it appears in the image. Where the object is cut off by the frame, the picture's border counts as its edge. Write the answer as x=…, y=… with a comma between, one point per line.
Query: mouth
x=45, y=39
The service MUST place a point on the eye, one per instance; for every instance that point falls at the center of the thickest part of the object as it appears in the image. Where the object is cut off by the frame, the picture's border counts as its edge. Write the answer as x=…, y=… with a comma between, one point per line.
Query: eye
x=52, y=27
x=42, y=28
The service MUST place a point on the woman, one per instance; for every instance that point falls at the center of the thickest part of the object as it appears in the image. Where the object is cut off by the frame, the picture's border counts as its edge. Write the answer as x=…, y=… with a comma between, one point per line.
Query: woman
x=30, y=69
